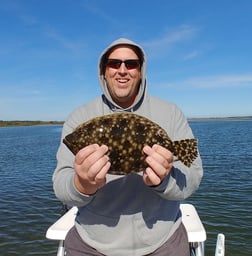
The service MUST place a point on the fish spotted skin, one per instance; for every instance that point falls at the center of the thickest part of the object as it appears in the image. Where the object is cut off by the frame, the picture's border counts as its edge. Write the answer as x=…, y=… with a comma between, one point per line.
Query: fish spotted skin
x=126, y=134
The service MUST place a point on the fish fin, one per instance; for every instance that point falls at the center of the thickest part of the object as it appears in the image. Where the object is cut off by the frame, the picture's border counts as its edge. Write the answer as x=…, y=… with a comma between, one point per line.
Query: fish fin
x=69, y=145
x=185, y=150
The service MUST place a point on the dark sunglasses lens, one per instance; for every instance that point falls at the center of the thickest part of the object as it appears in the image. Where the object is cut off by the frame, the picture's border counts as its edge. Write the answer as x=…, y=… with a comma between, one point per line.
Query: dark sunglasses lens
x=113, y=63
x=131, y=64
x=116, y=63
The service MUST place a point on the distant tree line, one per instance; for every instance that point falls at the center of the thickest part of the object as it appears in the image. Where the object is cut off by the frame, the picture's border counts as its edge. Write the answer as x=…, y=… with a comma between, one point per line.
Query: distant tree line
x=30, y=123
x=27, y=123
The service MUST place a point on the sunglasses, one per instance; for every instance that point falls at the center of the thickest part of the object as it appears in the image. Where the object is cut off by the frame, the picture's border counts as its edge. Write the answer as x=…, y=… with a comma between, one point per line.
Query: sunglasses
x=129, y=64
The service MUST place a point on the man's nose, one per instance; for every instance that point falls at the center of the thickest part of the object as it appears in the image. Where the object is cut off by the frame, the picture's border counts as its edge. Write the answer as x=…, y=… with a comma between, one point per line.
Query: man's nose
x=122, y=68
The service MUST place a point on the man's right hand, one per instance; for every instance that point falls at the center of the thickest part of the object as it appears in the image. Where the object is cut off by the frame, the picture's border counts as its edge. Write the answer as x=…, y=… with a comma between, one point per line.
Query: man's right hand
x=91, y=166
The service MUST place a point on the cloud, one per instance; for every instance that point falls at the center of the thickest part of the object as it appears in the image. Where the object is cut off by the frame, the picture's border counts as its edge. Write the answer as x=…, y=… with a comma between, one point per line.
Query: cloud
x=20, y=11
x=191, y=55
x=169, y=38
x=63, y=41
x=98, y=12
x=221, y=81
x=40, y=27
x=170, y=41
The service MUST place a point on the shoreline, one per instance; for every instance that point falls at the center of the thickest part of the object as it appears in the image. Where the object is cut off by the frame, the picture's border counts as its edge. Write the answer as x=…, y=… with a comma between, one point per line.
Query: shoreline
x=28, y=123
x=231, y=118
x=190, y=119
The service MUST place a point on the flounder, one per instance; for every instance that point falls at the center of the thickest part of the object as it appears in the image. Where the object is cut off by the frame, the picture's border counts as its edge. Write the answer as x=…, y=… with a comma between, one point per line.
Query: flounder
x=126, y=134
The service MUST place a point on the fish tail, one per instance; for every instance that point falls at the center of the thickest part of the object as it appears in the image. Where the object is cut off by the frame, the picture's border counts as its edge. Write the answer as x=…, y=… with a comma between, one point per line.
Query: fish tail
x=185, y=150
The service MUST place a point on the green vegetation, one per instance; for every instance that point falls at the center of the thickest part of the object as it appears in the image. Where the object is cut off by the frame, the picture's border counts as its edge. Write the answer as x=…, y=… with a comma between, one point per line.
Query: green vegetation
x=27, y=123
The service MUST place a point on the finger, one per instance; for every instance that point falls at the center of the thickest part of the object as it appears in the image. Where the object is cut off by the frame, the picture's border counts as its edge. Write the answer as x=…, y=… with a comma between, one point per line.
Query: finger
x=98, y=166
x=159, y=153
x=148, y=150
x=91, y=155
x=154, y=163
x=85, y=152
x=151, y=178
x=167, y=154
x=100, y=178
x=160, y=167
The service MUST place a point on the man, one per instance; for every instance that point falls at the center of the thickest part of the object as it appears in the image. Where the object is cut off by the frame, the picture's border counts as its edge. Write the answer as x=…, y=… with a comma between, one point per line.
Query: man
x=136, y=214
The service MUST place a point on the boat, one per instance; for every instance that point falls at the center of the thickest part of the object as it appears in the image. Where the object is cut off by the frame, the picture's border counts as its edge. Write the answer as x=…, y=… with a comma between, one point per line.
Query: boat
x=195, y=231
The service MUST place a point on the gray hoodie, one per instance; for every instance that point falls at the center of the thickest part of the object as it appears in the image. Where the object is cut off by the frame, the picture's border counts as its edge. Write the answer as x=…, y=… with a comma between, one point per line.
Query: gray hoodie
x=126, y=217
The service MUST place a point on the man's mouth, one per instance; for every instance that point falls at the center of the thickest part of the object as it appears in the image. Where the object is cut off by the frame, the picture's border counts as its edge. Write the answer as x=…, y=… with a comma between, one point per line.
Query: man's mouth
x=122, y=80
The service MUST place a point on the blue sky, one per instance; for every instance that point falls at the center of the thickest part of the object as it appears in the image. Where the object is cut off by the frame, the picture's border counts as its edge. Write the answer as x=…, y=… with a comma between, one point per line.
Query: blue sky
x=199, y=53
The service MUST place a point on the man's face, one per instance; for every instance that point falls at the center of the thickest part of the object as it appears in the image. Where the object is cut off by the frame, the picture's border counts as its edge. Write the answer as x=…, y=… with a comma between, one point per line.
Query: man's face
x=123, y=82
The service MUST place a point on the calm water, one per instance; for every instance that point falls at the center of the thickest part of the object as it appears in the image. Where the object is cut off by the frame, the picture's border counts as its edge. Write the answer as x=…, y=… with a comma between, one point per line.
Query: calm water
x=28, y=205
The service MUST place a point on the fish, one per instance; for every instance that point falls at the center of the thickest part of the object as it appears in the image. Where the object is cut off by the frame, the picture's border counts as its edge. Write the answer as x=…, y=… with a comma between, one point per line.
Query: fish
x=126, y=134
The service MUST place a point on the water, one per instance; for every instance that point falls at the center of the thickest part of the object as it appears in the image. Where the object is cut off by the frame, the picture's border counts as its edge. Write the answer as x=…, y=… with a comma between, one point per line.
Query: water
x=224, y=200
x=29, y=207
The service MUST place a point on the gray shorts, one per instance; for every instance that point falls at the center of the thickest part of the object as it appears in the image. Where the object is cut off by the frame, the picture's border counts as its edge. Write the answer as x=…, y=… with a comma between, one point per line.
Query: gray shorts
x=176, y=245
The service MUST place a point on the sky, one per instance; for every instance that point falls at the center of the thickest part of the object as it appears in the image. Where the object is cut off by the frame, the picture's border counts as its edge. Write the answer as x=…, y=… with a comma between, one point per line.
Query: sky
x=199, y=53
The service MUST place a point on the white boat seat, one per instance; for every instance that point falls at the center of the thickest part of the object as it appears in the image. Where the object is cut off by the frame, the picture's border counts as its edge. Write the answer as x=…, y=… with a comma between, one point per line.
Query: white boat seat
x=194, y=227
x=59, y=229
x=190, y=218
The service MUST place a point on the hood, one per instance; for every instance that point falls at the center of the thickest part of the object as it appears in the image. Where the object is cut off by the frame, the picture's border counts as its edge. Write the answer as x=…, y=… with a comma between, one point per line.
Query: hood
x=142, y=87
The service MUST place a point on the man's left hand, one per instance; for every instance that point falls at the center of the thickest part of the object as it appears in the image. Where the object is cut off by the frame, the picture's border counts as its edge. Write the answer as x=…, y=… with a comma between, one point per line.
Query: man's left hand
x=160, y=161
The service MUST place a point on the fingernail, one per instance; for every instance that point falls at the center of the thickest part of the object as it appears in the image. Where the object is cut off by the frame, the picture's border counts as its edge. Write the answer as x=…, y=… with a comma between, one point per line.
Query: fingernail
x=149, y=159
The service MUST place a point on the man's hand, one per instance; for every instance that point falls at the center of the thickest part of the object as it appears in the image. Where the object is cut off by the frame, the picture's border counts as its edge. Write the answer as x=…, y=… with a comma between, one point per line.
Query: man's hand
x=91, y=166
x=160, y=161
